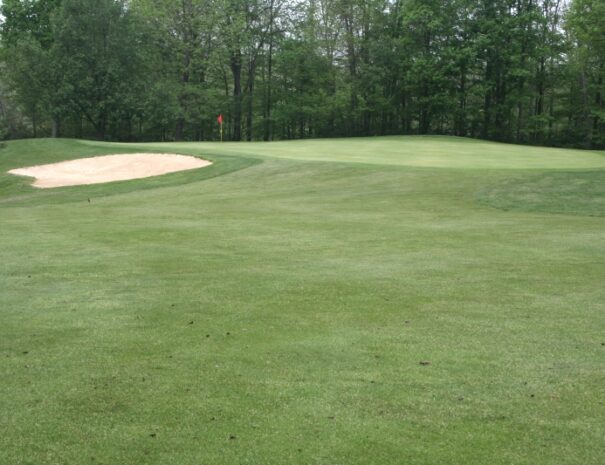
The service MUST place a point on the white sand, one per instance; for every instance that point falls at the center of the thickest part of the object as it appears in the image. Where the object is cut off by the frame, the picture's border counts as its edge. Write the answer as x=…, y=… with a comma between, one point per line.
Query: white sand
x=108, y=168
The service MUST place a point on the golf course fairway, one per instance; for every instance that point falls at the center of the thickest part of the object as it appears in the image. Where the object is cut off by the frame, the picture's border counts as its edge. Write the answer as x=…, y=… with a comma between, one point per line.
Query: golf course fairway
x=397, y=300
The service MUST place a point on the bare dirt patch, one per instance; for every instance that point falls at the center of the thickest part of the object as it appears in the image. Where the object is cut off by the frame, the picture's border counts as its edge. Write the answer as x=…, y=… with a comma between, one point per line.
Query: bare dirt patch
x=109, y=168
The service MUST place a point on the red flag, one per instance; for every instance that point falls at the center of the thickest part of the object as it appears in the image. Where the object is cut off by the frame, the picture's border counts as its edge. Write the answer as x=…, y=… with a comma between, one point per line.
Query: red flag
x=220, y=119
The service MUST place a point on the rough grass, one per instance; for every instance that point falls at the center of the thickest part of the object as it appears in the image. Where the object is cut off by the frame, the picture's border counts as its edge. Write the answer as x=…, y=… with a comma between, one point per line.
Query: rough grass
x=292, y=311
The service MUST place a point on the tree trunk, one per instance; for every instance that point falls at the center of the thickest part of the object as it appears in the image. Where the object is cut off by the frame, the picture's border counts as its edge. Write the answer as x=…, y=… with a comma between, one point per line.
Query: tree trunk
x=598, y=101
x=56, y=128
x=352, y=60
x=249, y=116
x=268, y=103
x=236, y=70
x=585, y=109
x=461, y=119
x=34, y=124
x=180, y=123
x=100, y=132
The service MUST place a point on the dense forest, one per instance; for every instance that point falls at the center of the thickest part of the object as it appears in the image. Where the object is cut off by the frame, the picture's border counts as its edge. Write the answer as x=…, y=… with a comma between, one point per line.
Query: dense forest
x=526, y=71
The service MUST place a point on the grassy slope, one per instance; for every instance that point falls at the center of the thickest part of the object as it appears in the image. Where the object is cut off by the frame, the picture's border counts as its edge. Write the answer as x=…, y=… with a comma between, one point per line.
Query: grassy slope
x=278, y=314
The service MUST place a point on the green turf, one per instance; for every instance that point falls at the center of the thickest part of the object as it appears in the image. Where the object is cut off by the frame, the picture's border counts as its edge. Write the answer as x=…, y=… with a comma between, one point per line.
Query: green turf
x=276, y=309
x=419, y=151
x=573, y=193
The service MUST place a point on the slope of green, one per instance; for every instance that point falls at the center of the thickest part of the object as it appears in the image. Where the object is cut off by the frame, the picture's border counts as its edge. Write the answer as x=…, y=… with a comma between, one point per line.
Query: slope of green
x=296, y=312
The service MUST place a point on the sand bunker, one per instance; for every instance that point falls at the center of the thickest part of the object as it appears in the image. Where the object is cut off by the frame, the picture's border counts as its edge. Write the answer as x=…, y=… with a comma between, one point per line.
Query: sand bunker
x=108, y=168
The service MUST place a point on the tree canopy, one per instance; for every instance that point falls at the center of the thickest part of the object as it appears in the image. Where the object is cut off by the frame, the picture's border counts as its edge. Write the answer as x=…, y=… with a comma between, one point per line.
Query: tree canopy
x=525, y=71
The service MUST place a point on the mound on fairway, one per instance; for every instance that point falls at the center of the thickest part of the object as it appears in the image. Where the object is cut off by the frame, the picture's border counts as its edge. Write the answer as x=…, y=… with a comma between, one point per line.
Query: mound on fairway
x=98, y=170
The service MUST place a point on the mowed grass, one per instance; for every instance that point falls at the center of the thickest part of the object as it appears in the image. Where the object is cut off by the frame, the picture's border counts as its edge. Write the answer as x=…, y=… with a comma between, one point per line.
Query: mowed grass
x=363, y=301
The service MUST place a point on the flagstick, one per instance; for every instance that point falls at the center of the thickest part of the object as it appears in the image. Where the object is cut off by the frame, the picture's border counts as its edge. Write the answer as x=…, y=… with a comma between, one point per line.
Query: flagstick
x=220, y=122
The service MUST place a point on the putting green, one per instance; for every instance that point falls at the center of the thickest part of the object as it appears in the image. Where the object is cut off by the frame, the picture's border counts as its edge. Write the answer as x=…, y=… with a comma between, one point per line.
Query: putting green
x=354, y=302
x=429, y=152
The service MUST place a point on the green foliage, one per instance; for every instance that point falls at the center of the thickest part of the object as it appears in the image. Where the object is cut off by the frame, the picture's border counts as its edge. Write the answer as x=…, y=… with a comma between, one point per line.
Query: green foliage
x=12, y=123
x=529, y=71
x=26, y=35
x=99, y=51
x=585, y=23
x=27, y=18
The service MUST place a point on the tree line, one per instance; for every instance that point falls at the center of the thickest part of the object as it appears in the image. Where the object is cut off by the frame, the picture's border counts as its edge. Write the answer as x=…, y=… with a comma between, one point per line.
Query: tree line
x=525, y=71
